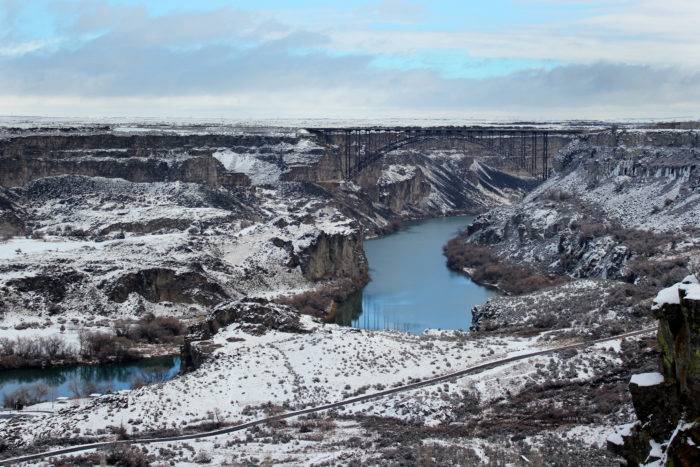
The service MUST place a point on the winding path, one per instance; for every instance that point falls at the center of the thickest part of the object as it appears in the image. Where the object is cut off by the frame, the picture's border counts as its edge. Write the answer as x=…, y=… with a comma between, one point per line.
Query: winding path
x=321, y=408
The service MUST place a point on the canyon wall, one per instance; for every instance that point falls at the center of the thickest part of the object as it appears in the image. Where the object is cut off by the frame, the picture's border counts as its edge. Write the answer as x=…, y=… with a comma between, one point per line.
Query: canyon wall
x=667, y=402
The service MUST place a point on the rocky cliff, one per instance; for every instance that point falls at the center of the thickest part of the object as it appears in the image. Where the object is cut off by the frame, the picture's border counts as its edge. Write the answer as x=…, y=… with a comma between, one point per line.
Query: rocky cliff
x=11, y=223
x=614, y=198
x=334, y=256
x=667, y=402
x=133, y=158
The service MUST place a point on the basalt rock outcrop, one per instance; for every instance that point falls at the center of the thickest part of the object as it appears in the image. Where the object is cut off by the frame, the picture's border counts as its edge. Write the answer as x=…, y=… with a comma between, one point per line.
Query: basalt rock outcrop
x=137, y=158
x=255, y=316
x=166, y=285
x=334, y=256
x=615, y=200
x=11, y=223
x=667, y=402
x=53, y=283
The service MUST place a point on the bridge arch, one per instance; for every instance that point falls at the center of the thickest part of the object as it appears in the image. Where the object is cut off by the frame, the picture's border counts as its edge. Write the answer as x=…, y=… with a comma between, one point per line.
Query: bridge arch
x=525, y=148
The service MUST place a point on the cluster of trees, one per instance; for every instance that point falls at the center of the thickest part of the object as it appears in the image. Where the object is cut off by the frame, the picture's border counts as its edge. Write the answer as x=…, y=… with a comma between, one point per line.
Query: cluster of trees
x=96, y=346
x=40, y=351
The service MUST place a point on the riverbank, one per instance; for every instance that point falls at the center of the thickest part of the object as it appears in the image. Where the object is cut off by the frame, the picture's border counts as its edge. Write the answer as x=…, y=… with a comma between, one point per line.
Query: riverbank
x=125, y=340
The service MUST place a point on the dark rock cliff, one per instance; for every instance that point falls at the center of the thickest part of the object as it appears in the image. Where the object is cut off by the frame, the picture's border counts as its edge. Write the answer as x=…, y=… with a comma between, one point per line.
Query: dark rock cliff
x=11, y=222
x=138, y=158
x=334, y=256
x=161, y=284
x=667, y=403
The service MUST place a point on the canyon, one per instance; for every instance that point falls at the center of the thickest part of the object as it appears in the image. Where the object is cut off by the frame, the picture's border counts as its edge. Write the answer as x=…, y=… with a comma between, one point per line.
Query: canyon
x=235, y=230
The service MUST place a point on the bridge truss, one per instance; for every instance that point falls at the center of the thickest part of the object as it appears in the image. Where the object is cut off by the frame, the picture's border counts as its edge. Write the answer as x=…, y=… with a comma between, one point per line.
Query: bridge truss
x=527, y=149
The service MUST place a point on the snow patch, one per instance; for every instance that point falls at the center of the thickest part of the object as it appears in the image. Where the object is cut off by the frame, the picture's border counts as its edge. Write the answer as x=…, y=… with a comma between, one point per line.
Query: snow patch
x=647, y=379
x=259, y=171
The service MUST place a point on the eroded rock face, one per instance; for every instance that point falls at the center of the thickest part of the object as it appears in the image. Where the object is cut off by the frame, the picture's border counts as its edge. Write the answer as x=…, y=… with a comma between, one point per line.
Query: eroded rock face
x=333, y=256
x=256, y=316
x=166, y=285
x=667, y=403
x=51, y=283
x=11, y=222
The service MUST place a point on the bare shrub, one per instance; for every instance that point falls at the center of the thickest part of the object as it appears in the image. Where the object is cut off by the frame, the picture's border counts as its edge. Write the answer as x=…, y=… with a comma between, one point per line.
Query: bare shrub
x=25, y=395
x=152, y=329
x=17, y=399
x=486, y=268
x=589, y=231
x=557, y=195
x=643, y=242
x=658, y=274
x=319, y=302
x=28, y=352
x=202, y=457
x=159, y=329
x=103, y=346
x=128, y=456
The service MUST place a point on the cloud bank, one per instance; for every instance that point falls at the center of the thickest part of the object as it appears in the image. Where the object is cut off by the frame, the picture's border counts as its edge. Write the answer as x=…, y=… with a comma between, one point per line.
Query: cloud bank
x=111, y=59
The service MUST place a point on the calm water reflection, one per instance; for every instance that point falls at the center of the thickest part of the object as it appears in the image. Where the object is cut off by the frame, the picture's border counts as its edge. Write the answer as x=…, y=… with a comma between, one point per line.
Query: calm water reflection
x=411, y=288
x=112, y=377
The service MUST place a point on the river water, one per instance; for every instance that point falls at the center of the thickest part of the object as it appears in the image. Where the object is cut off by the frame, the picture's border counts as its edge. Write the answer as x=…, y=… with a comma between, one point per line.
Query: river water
x=86, y=379
x=411, y=289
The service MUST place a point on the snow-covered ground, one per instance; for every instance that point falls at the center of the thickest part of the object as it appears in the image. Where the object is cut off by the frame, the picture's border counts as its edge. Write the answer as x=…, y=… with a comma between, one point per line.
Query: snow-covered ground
x=247, y=375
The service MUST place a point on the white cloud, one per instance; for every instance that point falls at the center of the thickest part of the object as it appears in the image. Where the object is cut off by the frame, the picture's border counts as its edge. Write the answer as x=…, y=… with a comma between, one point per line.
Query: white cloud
x=228, y=63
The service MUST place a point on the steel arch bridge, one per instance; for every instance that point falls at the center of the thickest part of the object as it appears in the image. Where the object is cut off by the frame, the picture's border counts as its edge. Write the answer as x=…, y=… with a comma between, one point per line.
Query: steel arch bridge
x=527, y=148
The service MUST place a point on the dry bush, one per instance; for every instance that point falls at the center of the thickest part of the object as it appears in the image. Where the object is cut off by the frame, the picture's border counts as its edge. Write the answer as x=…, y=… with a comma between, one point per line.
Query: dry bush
x=102, y=346
x=640, y=242
x=25, y=395
x=486, y=268
x=39, y=351
x=557, y=195
x=151, y=329
x=658, y=274
x=317, y=302
x=128, y=456
x=643, y=242
x=202, y=457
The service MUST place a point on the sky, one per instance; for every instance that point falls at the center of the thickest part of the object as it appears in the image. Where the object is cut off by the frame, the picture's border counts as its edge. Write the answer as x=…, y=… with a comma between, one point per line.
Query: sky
x=257, y=59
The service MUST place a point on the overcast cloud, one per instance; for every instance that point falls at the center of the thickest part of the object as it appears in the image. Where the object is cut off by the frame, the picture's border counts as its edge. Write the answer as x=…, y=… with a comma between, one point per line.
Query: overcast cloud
x=637, y=59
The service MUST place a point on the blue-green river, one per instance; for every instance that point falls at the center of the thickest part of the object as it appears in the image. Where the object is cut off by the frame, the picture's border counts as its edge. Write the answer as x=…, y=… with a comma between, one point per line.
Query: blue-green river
x=71, y=381
x=411, y=289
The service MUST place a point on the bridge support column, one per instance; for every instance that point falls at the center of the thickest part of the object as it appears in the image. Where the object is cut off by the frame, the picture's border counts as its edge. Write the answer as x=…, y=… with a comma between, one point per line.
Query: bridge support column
x=545, y=155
